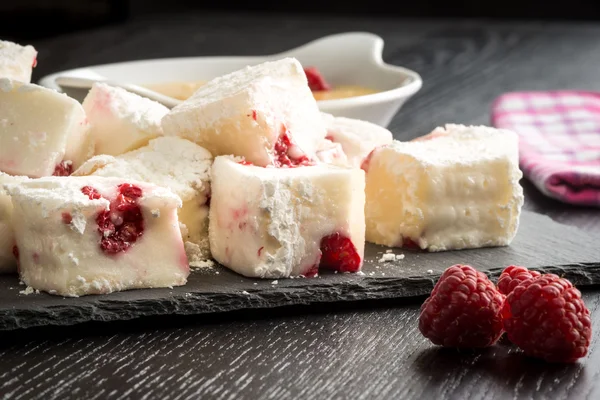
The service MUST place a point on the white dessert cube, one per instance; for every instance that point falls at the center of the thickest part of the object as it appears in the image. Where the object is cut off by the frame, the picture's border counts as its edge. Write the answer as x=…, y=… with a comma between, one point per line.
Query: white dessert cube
x=175, y=163
x=8, y=262
x=42, y=132
x=121, y=121
x=286, y=222
x=264, y=113
x=16, y=61
x=357, y=138
x=455, y=191
x=93, y=235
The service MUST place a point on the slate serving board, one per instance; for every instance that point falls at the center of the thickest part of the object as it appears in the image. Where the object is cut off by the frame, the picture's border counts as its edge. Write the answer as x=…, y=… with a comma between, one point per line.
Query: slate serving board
x=540, y=244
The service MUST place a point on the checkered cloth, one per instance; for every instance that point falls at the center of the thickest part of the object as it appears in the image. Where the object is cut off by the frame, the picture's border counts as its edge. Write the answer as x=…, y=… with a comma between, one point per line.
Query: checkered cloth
x=559, y=135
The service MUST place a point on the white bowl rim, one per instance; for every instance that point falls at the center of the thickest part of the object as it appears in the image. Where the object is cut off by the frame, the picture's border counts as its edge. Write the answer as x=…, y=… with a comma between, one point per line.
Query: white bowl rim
x=405, y=90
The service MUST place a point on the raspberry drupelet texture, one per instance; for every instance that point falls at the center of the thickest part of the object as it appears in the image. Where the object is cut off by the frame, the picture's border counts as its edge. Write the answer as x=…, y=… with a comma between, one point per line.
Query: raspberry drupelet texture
x=339, y=254
x=547, y=319
x=512, y=276
x=464, y=310
x=122, y=225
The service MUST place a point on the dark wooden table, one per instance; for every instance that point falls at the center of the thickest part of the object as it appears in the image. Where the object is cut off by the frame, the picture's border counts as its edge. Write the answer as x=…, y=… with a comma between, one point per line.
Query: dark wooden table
x=338, y=351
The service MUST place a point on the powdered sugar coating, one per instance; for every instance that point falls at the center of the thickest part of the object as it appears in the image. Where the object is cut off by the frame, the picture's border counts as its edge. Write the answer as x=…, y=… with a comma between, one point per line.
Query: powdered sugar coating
x=58, y=240
x=16, y=61
x=269, y=222
x=174, y=163
x=458, y=190
x=39, y=128
x=121, y=121
x=245, y=112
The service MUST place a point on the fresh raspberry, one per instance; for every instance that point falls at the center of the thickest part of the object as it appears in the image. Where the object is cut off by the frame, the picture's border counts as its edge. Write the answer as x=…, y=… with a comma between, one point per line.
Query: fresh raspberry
x=339, y=254
x=512, y=276
x=463, y=310
x=547, y=319
x=316, y=82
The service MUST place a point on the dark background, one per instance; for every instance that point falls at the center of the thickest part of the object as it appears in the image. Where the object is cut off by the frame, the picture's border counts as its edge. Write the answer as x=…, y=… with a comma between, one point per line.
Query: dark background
x=36, y=19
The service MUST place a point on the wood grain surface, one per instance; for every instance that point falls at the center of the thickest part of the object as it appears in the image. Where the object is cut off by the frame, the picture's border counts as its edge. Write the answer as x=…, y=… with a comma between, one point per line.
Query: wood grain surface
x=364, y=350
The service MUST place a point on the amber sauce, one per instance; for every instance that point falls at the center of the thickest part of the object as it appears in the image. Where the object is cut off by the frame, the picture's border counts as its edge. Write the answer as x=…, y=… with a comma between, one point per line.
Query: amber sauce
x=183, y=90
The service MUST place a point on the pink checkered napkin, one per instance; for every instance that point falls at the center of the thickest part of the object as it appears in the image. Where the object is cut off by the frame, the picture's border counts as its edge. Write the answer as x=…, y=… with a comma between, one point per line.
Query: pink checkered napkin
x=559, y=139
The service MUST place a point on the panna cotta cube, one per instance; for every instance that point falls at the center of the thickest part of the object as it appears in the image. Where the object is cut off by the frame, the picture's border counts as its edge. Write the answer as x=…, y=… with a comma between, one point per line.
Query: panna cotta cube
x=16, y=61
x=175, y=163
x=357, y=138
x=8, y=262
x=121, y=121
x=42, y=132
x=265, y=113
x=455, y=191
x=286, y=222
x=93, y=235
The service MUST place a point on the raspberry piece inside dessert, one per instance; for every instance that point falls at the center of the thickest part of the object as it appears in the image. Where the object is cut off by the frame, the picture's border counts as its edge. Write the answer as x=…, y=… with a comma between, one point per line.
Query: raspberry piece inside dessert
x=67, y=218
x=282, y=157
x=123, y=224
x=65, y=168
x=312, y=272
x=90, y=192
x=339, y=254
x=316, y=81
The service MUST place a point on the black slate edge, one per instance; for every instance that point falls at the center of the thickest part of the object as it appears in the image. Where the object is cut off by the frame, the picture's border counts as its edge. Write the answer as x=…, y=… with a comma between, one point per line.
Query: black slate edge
x=581, y=274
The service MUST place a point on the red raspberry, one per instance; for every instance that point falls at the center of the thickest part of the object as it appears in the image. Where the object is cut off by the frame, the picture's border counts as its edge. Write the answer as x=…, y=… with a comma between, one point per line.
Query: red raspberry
x=339, y=254
x=547, y=319
x=512, y=276
x=463, y=310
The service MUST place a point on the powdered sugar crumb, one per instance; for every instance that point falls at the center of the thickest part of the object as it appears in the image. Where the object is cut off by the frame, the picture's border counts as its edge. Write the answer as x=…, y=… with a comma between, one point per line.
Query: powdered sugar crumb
x=202, y=264
x=29, y=290
x=275, y=282
x=391, y=257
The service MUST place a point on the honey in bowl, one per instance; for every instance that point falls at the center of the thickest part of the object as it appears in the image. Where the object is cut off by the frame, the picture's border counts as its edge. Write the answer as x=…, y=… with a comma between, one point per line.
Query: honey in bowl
x=176, y=90
x=320, y=88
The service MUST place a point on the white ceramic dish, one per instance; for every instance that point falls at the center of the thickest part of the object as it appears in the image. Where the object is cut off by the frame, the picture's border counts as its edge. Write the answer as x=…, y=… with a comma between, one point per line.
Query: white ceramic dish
x=353, y=58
